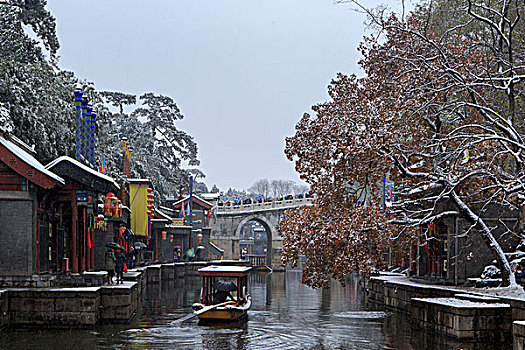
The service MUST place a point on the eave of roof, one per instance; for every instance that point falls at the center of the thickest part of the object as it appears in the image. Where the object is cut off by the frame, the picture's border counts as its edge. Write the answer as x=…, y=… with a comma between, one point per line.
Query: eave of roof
x=83, y=167
x=30, y=161
x=194, y=197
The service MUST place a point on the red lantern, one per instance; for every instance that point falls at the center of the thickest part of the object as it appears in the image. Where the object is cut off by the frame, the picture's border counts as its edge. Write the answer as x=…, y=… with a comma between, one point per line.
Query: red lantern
x=109, y=204
x=164, y=234
x=149, y=189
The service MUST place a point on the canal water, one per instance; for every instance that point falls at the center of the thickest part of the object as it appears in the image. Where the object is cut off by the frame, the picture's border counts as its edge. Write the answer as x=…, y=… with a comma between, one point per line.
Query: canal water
x=285, y=315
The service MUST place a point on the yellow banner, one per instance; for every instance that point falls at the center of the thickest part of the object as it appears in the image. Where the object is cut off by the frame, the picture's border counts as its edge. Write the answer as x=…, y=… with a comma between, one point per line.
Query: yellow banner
x=139, y=202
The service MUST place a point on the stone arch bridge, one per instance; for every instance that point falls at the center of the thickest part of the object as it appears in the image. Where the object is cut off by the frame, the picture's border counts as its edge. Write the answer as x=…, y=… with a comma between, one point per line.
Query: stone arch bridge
x=227, y=230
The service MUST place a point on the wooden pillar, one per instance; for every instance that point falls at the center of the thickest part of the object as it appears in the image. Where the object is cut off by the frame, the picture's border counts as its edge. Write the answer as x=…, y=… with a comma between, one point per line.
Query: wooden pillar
x=74, y=218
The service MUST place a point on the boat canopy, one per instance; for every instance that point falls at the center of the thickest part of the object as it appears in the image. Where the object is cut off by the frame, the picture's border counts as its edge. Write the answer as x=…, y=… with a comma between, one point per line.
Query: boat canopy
x=224, y=271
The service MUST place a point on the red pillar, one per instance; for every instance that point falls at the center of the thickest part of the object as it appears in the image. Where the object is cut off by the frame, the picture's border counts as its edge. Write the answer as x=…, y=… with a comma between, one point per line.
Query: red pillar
x=83, y=254
x=157, y=245
x=38, y=246
x=74, y=219
x=92, y=247
x=83, y=243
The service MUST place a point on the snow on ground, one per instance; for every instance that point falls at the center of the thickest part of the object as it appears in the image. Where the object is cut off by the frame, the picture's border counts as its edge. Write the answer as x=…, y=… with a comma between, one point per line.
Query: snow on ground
x=461, y=303
x=514, y=292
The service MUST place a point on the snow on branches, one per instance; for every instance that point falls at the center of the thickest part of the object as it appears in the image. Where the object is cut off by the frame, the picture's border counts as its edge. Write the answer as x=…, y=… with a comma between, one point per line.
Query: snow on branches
x=438, y=111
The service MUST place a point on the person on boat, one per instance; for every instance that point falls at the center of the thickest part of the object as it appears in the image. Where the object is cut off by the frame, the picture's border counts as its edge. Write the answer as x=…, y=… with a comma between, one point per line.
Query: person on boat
x=221, y=296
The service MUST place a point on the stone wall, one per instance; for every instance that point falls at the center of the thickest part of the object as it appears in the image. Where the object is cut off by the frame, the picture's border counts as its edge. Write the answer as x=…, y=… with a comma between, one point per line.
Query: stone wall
x=60, y=308
x=473, y=253
x=119, y=303
x=84, y=307
x=16, y=230
x=102, y=237
x=4, y=309
x=81, y=307
x=399, y=294
x=396, y=294
x=463, y=319
x=518, y=331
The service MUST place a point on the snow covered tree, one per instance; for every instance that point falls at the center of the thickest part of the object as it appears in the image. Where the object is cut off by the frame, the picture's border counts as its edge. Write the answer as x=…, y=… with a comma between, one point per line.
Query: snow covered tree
x=300, y=188
x=233, y=194
x=159, y=150
x=281, y=187
x=200, y=187
x=37, y=96
x=261, y=187
x=438, y=110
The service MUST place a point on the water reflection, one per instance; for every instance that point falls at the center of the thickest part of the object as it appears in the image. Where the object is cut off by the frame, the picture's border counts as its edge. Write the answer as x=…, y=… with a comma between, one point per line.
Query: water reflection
x=285, y=315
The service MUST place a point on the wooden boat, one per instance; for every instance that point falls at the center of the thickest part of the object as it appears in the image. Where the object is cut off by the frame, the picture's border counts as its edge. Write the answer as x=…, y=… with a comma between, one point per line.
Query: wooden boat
x=217, y=282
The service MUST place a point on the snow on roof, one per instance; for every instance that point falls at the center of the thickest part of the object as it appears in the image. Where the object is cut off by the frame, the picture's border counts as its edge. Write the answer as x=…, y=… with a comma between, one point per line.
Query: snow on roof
x=166, y=209
x=211, y=196
x=83, y=167
x=216, y=247
x=139, y=180
x=194, y=196
x=178, y=226
x=29, y=159
x=225, y=269
x=164, y=215
x=160, y=220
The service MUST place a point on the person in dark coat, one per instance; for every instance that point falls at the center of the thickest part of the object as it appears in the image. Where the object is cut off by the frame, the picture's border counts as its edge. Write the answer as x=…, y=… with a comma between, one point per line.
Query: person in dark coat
x=221, y=296
x=131, y=258
x=519, y=272
x=119, y=266
x=110, y=259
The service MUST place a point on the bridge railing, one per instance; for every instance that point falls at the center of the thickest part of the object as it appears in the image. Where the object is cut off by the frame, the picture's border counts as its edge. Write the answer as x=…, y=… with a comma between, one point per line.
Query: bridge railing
x=288, y=203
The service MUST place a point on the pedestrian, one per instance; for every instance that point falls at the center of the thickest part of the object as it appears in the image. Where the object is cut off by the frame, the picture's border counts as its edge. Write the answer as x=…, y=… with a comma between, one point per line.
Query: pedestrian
x=119, y=266
x=519, y=272
x=109, y=258
x=131, y=258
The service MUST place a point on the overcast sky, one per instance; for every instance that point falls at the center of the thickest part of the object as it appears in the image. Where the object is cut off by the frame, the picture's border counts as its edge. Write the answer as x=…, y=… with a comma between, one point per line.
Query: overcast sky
x=242, y=71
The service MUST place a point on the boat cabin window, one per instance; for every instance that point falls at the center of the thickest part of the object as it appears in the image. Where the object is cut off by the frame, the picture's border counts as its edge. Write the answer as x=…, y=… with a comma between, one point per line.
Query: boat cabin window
x=219, y=289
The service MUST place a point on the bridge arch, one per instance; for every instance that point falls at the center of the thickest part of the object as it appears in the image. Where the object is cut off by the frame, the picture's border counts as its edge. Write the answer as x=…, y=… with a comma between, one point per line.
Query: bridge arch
x=270, y=229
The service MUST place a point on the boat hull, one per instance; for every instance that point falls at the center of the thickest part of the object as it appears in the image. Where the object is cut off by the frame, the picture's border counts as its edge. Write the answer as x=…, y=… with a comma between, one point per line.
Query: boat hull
x=218, y=315
x=227, y=313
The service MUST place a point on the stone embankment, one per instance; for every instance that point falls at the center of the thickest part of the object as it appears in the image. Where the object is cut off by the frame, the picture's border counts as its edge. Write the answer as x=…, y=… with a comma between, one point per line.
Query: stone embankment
x=460, y=312
x=86, y=306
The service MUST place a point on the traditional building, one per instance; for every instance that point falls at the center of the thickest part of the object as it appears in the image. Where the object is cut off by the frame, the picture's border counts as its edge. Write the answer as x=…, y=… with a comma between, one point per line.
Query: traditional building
x=200, y=245
x=170, y=236
x=86, y=202
x=31, y=229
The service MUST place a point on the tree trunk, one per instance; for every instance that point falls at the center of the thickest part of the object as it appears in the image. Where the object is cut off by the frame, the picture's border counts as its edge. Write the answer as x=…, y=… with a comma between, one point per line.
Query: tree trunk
x=507, y=277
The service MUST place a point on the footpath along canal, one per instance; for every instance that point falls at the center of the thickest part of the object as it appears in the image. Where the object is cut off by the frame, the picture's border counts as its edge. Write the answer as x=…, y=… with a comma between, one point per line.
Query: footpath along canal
x=285, y=315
